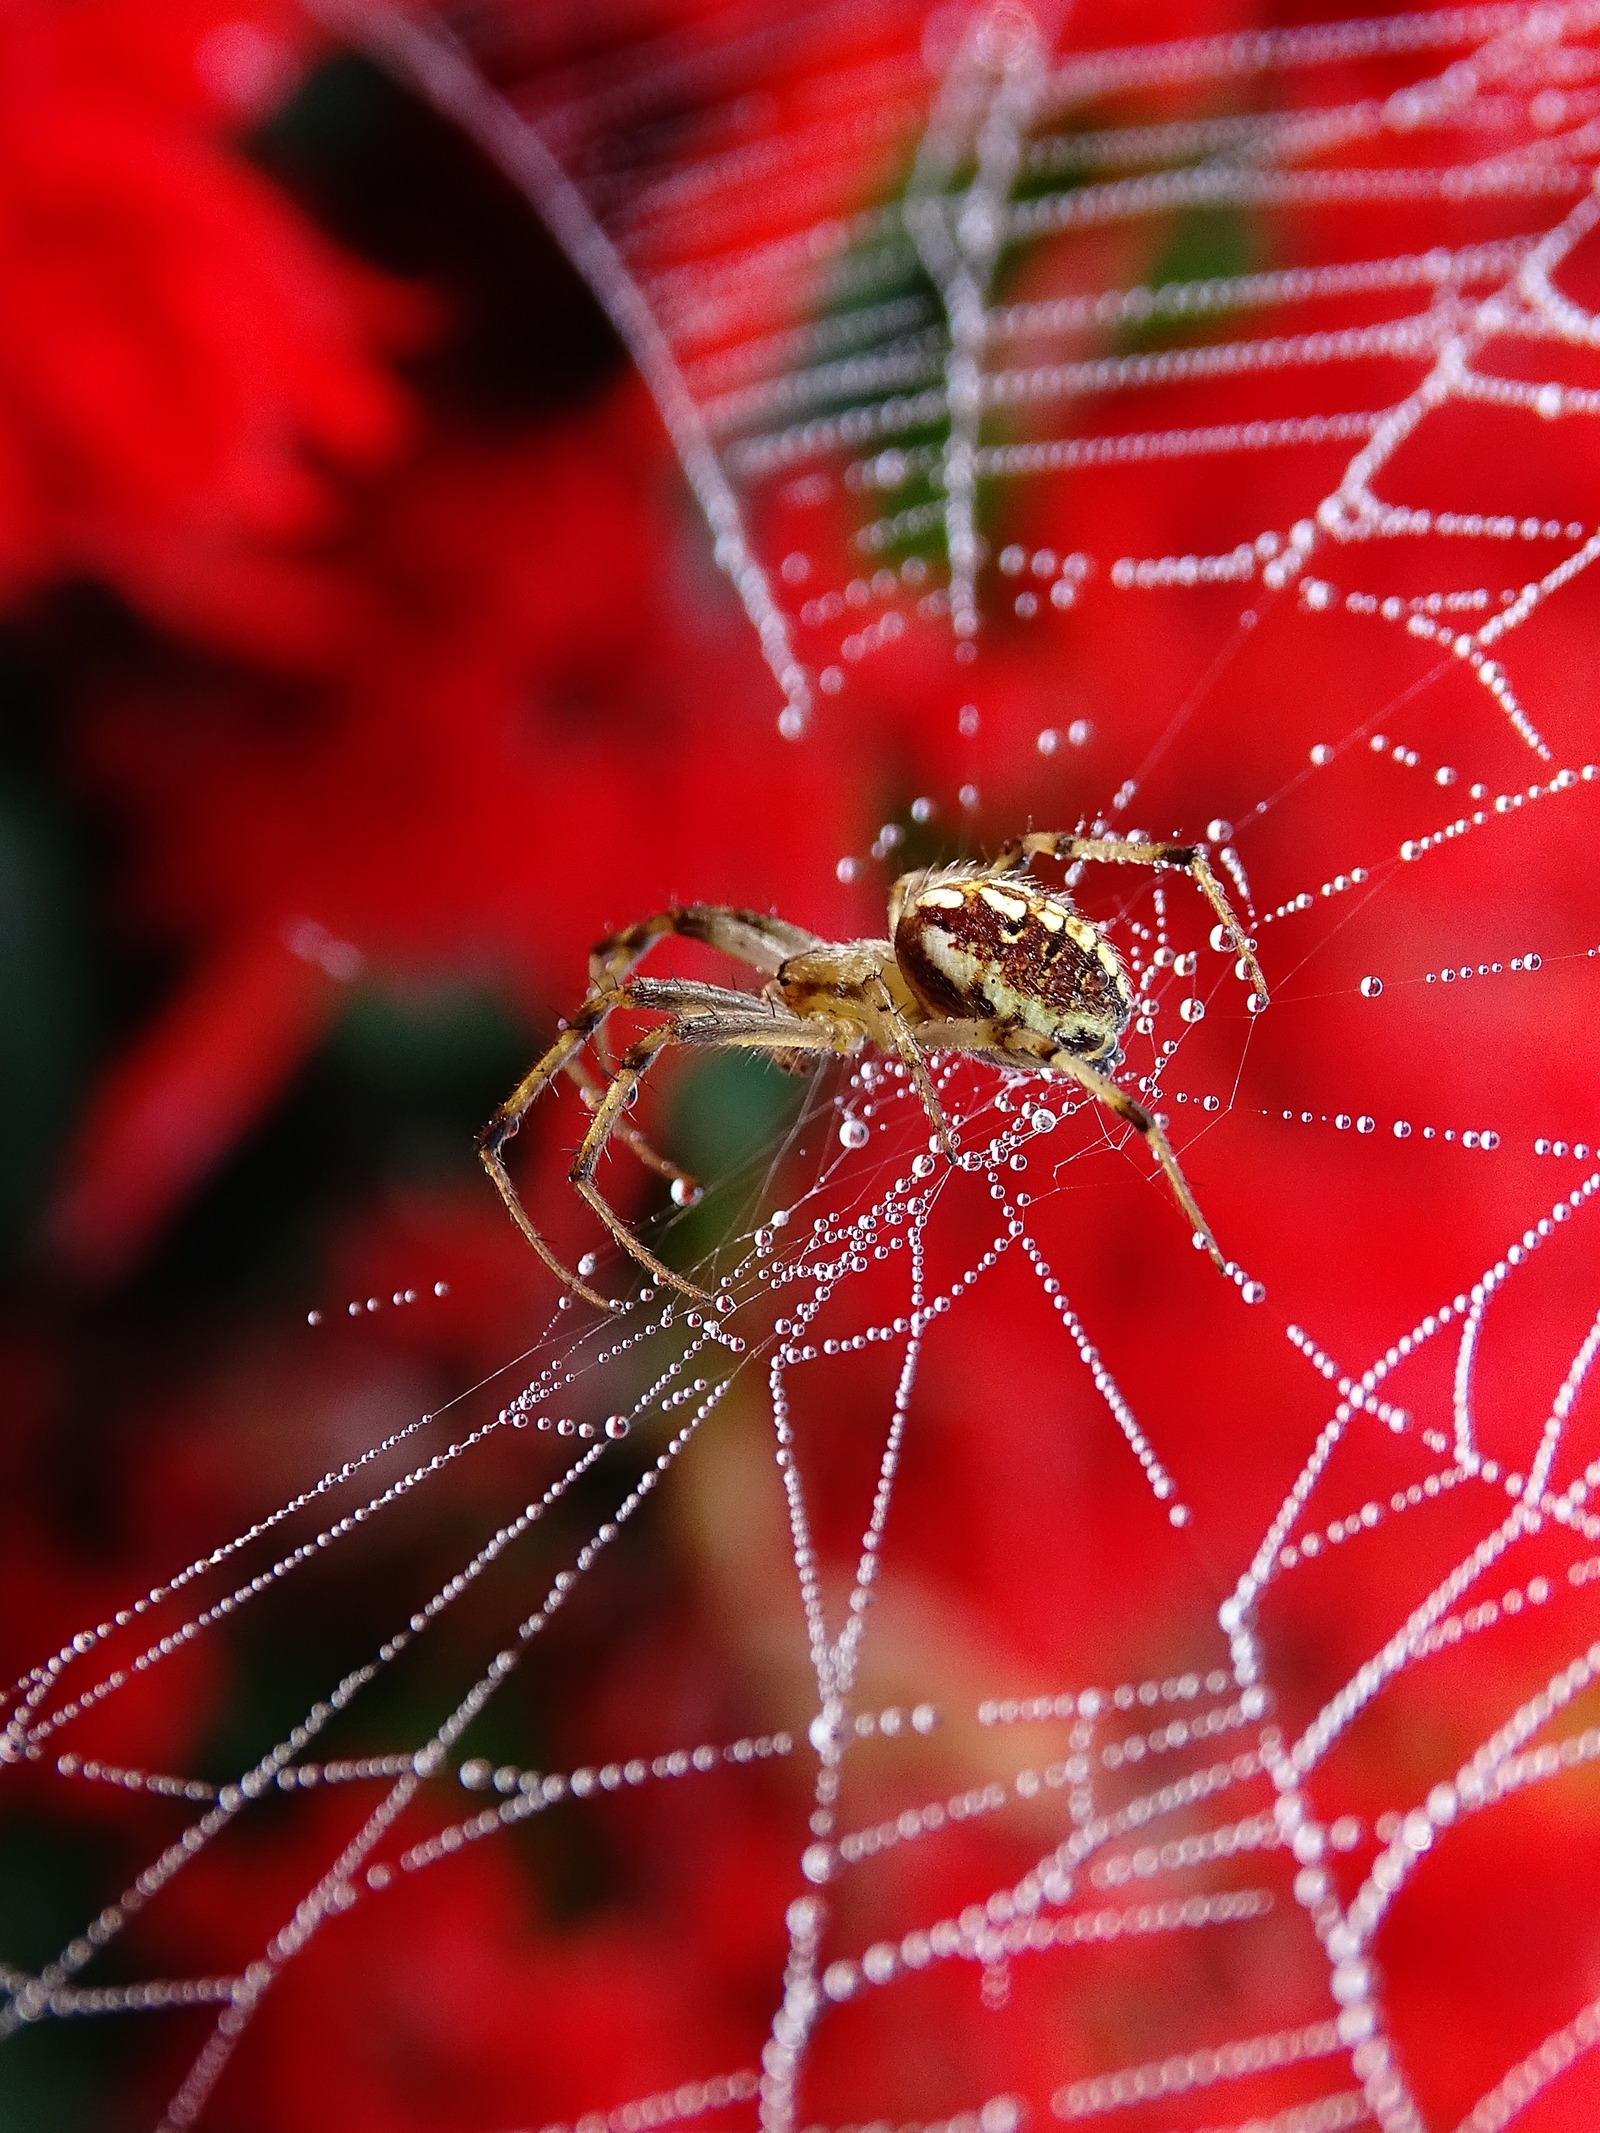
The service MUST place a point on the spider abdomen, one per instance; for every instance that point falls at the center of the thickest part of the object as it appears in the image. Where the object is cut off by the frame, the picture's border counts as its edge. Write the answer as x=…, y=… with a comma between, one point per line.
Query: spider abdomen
x=1004, y=951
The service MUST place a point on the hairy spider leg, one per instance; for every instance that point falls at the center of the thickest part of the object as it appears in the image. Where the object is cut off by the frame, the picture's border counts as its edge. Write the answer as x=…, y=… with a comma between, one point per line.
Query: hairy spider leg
x=985, y=1040
x=592, y=1090
x=666, y=995
x=754, y=938
x=504, y=1126
x=1105, y=1091
x=1125, y=851
x=911, y=1052
x=732, y=1024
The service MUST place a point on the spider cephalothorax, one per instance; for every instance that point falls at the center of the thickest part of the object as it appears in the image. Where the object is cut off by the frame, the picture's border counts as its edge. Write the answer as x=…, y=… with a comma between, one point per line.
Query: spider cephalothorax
x=980, y=959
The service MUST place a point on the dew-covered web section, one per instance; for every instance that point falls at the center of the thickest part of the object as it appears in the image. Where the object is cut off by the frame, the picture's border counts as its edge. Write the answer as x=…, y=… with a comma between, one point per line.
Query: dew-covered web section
x=1392, y=445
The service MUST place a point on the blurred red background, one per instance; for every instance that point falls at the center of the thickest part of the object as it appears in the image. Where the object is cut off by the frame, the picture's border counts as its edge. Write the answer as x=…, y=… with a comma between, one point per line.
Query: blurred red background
x=364, y=660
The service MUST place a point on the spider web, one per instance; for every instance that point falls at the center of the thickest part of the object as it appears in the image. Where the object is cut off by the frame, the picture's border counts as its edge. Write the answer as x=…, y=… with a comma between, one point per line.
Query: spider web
x=895, y=282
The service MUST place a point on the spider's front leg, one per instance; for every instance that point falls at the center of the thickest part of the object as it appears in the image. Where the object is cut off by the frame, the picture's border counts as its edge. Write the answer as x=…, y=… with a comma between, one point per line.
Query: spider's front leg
x=1130, y=851
x=709, y=1001
x=736, y=1021
x=685, y=1189
x=606, y=1119
x=751, y=937
x=507, y=1121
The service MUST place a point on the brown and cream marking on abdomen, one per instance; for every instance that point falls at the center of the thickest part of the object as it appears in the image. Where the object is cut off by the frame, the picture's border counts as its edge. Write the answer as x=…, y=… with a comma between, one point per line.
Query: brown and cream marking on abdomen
x=1005, y=951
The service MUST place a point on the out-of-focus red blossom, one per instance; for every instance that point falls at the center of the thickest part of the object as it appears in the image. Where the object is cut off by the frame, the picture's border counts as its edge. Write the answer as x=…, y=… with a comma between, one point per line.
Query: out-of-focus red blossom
x=486, y=664
x=188, y=364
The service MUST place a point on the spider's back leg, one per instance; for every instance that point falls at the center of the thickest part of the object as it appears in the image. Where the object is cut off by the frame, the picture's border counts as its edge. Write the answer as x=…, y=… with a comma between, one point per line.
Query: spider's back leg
x=1122, y=1105
x=1140, y=852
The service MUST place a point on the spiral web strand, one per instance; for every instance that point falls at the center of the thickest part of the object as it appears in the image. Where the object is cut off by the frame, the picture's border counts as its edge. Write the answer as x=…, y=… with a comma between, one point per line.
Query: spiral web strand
x=876, y=354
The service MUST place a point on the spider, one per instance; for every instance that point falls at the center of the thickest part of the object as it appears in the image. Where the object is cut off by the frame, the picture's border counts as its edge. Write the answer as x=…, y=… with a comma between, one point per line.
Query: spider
x=981, y=958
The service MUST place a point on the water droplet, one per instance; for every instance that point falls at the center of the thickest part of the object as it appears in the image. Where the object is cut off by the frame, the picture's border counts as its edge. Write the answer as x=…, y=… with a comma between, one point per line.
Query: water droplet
x=923, y=1166
x=816, y=1863
x=968, y=796
x=441, y=1288
x=1185, y=965
x=1254, y=1292
x=1081, y=732
x=1444, y=775
x=1254, y=1004
x=1531, y=962
x=922, y=809
x=1043, y=1121
x=824, y=1730
x=1049, y=741
x=967, y=717
x=1488, y=1140
x=1402, y=1129
x=685, y=1192
x=1371, y=987
x=1192, y=1010
x=1321, y=754
x=587, y=1264
x=1365, y=1124
x=616, y=1427
x=313, y=1318
x=853, y=1133
x=1220, y=937
x=1343, y=1122
x=1211, y=1103
x=847, y=869
x=1218, y=830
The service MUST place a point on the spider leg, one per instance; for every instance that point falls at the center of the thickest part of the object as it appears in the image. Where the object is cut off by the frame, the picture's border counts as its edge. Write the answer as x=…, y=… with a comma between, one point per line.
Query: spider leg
x=1125, y=851
x=669, y=996
x=1105, y=1091
x=766, y=1030
x=986, y=1040
x=752, y=937
x=504, y=1125
x=905, y=1043
x=592, y=1091
x=755, y=938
